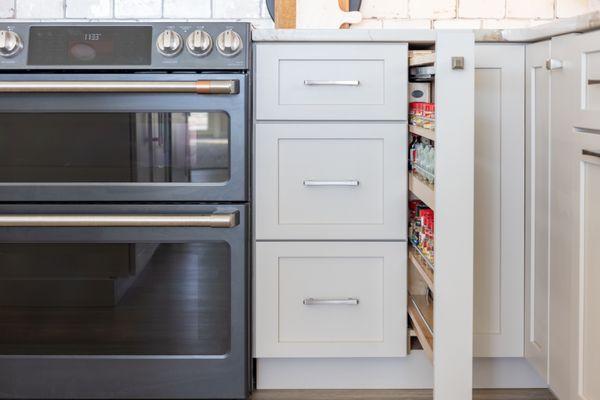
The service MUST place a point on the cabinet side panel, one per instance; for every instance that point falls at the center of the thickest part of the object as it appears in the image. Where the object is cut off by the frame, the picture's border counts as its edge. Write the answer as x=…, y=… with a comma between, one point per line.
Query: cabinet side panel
x=453, y=340
x=537, y=169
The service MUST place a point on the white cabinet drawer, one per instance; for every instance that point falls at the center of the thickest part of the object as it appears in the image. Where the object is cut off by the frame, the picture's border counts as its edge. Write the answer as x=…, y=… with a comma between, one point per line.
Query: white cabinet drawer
x=331, y=81
x=331, y=181
x=330, y=299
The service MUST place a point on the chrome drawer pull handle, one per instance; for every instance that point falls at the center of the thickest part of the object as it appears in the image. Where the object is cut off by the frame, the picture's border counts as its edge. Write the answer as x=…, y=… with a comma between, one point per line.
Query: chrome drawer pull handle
x=197, y=87
x=352, y=183
x=103, y=220
x=331, y=83
x=350, y=301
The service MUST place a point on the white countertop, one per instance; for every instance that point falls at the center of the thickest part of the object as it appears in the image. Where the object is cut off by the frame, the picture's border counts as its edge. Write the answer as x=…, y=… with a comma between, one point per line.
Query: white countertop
x=581, y=23
x=343, y=35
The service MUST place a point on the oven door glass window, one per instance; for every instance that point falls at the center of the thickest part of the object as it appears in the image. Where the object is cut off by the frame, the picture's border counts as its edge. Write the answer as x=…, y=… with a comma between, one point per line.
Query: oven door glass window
x=186, y=147
x=170, y=299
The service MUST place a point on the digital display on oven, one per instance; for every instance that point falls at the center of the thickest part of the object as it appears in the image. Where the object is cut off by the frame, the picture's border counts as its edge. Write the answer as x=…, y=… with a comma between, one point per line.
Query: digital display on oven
x=104, y=45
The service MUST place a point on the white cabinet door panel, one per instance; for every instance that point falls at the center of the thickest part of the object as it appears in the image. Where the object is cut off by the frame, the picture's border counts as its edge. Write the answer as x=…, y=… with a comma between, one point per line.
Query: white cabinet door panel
x=589, y=279
x=575, y=127
x=499, y=200
x=537, y=206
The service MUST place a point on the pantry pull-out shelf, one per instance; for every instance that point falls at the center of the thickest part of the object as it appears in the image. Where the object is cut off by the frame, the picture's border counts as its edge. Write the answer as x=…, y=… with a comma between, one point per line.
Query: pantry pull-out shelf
x=422, y=190
x=423, y=266
x=418, y=58
x=422, y=329
x=424, y=132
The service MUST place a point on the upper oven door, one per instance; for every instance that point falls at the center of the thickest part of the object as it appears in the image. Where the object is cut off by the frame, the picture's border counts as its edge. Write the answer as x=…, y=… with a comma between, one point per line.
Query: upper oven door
x=123, y=137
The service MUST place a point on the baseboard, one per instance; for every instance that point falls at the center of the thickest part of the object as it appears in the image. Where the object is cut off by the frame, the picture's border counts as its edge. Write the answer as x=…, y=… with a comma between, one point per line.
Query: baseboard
x=412, y=372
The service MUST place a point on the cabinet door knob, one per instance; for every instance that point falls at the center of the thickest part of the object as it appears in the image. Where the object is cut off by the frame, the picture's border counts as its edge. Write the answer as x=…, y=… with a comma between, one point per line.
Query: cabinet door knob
x=458, y=63
x=552, y=64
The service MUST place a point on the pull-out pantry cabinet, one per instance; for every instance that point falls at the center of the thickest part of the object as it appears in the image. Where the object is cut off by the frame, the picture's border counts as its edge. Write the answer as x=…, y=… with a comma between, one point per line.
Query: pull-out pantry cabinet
x=332, y=268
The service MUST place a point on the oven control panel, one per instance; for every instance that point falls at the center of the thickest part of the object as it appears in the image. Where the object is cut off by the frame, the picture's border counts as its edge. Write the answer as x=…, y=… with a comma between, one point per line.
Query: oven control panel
x=123, y=46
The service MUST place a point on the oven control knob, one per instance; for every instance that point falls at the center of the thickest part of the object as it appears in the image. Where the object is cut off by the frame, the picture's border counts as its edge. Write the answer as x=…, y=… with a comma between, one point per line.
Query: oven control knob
x=10, y=43
x=229, y=43
x=169, y=43
x=199, y=43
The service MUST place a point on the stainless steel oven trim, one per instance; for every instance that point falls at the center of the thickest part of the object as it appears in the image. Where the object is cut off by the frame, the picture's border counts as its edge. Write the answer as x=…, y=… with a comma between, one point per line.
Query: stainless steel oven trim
x=228, y=220
x=230, y=86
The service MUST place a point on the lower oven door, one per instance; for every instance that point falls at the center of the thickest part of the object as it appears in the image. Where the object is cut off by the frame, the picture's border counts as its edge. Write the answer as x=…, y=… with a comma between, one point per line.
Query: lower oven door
x=123, y=302
x=123, y=137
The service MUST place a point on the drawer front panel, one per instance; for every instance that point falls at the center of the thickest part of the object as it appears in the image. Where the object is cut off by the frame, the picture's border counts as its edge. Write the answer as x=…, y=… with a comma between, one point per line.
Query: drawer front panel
x=331, y=81
x=330, y=299
x=333, y=181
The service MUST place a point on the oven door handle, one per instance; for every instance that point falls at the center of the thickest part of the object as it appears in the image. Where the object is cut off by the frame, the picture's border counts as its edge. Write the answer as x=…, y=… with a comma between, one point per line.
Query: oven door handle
x=197, y=87
x=228, y=220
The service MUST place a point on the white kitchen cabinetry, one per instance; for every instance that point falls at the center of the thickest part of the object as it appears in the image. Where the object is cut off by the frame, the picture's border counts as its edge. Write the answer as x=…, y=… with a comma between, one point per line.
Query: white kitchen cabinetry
x=574, y=218
x=330, y=299
x=589, y=278
x=331, y=202
x=330, y=181
x=537, y=189
x=499, y=200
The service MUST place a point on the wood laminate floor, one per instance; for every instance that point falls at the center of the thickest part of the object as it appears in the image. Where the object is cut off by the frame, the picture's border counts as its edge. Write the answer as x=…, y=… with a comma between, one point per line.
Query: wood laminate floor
x=495, y=394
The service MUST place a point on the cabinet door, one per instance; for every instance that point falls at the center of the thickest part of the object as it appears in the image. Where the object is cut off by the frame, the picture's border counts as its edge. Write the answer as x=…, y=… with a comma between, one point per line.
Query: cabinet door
x=589, y=278
x=537, y=173
x=499, y=200
x=574, y=306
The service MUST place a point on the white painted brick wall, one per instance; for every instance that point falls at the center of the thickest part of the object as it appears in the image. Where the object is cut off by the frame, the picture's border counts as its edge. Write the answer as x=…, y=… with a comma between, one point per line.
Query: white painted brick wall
x=137, y=8
x=390, y=14
x=384, y=9
x=89, y=8
x=482, y=8
x=40, y=8
x=534, y=9
x=7, y=8
x=223, y=9
x=187, y=9
x=570, y=8
x=432, y=9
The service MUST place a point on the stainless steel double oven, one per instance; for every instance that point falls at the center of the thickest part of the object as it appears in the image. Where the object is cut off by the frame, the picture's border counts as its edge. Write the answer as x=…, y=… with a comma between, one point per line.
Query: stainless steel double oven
x=124, y=210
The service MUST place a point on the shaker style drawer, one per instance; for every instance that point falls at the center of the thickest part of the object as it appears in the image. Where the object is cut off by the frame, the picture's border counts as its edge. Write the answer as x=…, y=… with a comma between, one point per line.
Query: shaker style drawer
x=331, y=81
x=334, y=181
x=330, y=299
